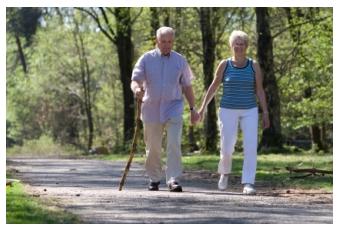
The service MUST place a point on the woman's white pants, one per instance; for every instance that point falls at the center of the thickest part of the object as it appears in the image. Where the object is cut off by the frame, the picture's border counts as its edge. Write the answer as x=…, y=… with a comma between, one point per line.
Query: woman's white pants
x=228, y=124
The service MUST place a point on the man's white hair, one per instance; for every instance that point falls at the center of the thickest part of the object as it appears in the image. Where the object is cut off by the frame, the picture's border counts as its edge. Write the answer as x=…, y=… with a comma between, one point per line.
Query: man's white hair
x=165, y=31
x=239, y=34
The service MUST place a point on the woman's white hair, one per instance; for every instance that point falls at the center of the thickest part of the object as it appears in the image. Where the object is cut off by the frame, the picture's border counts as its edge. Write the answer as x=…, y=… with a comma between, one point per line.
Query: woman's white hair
x=165, y=31
x=239, y=34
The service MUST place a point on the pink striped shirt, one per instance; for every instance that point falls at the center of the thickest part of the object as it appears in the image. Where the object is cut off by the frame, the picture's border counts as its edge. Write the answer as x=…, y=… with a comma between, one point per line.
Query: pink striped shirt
x=163, y=78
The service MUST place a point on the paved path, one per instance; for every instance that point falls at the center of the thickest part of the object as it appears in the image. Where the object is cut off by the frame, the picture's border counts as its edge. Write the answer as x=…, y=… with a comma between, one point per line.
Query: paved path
x=89, y=188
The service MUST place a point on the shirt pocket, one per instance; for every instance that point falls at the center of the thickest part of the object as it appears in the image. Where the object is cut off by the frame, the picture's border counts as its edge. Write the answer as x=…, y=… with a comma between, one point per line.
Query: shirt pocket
x=173, y=89
x=153, y=85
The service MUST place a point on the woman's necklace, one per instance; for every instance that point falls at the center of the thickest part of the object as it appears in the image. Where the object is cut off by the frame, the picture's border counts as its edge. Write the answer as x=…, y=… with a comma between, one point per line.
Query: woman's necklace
x=239, y=62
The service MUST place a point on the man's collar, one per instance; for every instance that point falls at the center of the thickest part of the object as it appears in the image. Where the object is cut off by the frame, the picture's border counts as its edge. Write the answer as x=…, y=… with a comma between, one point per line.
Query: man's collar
x=162, y=55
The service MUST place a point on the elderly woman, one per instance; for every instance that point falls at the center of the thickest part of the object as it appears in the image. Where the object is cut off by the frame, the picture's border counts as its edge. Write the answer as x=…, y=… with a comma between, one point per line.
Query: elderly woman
x=242, y=82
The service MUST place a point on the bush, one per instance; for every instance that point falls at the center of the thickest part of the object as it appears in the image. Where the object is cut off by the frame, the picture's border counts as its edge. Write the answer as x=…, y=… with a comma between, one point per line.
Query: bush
x=43, y=146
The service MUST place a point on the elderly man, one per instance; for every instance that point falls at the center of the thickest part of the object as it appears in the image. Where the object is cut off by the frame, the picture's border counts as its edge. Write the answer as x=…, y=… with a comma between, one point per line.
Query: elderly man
x=159, y=78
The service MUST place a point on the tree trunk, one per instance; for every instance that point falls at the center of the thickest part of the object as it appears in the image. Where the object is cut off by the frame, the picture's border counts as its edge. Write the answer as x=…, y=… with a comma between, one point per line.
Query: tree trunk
x=21, y=53
x=88, y=99
x=125, y=55
x=192, y=143
x=166, y=19
x=317, y=136
x=116, y=117
x=295, y=32
x=324, y=136
x=209, y=45
x=154, y=23
x=271, y=137
x=180, y=45
x=72, y=130
x=122, y=40
x=86, y=78
x=90, y=125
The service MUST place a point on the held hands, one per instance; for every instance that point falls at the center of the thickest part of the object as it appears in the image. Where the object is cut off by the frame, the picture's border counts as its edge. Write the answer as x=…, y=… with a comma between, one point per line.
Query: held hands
x=197, y=116
x=201, y=114
x=194, y=116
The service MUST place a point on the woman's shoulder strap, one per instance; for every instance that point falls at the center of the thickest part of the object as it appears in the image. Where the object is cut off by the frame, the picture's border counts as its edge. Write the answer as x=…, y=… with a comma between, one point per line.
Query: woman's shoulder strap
x=251, y=62
x=228, y=60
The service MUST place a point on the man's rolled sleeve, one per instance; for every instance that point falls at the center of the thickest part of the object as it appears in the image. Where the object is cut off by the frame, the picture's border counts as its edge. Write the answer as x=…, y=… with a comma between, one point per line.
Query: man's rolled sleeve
x=139, y=70
x=187, y=75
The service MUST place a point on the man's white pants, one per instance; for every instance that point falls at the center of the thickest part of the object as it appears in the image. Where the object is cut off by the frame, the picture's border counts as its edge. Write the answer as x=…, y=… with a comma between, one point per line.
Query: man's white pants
x=153, y=139
x=228, y=123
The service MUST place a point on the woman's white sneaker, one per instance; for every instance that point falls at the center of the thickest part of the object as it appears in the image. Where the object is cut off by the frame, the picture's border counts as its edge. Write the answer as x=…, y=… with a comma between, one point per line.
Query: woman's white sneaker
x=222, y=184
x=249, y=189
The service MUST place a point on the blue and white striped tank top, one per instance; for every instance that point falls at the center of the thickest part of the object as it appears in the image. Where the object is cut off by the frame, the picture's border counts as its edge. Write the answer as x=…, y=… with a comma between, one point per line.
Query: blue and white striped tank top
x=238, y=86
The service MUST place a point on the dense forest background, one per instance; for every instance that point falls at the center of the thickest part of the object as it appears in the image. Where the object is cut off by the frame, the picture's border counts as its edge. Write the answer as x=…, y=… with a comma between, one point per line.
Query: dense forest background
x=68, y=72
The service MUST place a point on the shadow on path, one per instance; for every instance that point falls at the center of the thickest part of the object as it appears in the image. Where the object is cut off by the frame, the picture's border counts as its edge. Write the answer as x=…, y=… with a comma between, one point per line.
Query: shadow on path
x=89, y=188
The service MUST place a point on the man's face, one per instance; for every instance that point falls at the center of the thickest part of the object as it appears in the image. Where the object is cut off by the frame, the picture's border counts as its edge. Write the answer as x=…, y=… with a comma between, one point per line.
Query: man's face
x=165, y=43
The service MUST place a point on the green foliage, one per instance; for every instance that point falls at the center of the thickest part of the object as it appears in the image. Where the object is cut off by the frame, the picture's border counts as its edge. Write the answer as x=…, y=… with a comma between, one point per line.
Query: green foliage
x=43, y=146
x=306, y=85
x=48, y=100
x=23, y=107
x=23, y=21
x=24, y=209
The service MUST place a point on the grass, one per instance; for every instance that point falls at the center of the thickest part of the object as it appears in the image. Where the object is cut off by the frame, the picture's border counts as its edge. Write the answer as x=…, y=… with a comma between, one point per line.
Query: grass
x=138, y=158
x=24, y=209
x=271, y=168
x=44, y=146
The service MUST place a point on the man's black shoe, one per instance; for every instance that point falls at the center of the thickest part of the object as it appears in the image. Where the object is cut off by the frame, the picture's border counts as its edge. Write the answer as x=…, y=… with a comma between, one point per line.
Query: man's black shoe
x=154, y=186
x=174, y=187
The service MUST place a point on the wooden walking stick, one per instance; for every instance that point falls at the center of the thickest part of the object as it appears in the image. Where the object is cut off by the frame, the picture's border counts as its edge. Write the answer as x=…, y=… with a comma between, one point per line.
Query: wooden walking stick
x=134, y=143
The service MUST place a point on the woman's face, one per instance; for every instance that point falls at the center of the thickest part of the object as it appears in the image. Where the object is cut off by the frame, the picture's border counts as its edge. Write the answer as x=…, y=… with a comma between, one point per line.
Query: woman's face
x=239, y=47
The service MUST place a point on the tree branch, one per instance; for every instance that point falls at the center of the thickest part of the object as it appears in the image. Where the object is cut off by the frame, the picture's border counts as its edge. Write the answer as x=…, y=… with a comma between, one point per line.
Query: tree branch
x=108, y=23
x=94, y=15
x=133, y=20
x=308, y=170
x=297, y=25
